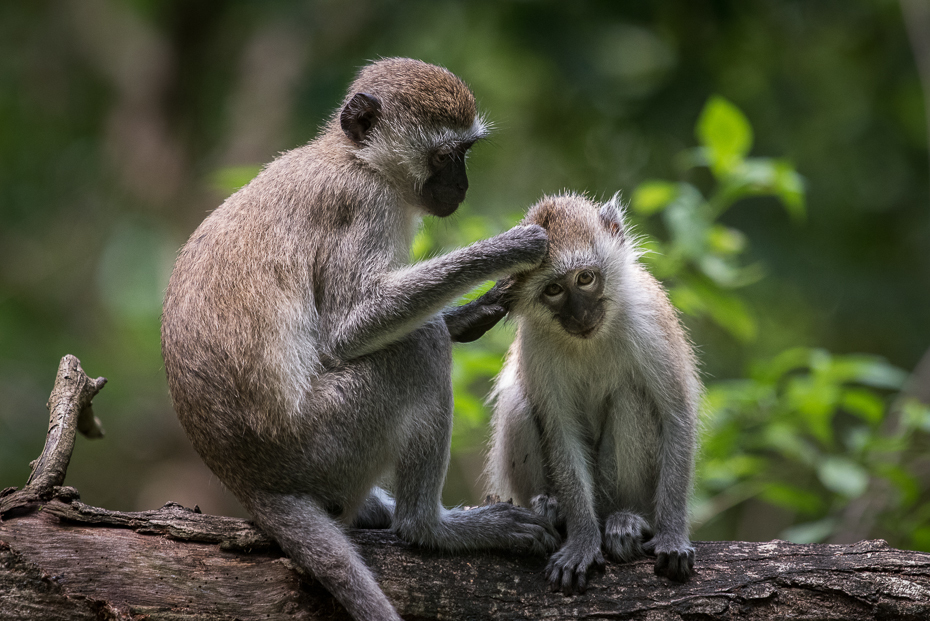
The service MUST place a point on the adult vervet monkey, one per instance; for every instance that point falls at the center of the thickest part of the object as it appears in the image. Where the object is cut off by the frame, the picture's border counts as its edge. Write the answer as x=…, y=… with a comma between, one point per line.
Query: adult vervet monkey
x=595, y=410
x=307, y=359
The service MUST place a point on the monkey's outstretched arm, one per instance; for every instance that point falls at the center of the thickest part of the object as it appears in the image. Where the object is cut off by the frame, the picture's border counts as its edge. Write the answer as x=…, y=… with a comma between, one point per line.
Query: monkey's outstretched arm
x=404, y=299
x=469, y=322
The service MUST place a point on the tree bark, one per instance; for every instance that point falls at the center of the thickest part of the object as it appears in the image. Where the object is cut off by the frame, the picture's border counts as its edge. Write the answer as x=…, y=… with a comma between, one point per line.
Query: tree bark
x=62, y=559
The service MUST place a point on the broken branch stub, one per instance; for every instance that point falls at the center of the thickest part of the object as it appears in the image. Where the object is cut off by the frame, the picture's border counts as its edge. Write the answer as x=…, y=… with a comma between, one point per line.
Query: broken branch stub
x=69, y=411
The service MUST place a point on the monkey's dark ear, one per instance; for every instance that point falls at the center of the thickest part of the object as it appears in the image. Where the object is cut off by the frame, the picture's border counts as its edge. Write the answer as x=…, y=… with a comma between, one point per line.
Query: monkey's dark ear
x=612, y=218
x=359, y=116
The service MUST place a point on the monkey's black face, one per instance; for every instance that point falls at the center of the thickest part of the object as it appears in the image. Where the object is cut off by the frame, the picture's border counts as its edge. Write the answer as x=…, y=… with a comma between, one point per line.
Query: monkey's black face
x=576, y=301
x=444, y=191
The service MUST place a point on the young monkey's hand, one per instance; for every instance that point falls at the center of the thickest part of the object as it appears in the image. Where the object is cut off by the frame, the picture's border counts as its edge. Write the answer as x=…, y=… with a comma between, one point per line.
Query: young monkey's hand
x=470, y=321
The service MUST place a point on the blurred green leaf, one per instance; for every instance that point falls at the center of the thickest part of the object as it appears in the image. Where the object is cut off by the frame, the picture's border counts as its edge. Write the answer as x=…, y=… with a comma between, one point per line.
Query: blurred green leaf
x=792, y=497
x=789, y=187
x=652, y=196
x=915, y=415
x=843, y=476
x=688, y=221
x=726, y=134
x=422, y=247
x=726, y=240
x=726, y=309
x=810, y=532
x=867, y=370
x=229, y=179
x=865, y=404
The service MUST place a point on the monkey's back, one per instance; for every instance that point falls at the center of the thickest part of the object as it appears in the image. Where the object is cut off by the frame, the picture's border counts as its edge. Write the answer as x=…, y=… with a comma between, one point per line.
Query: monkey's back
x=248, y=312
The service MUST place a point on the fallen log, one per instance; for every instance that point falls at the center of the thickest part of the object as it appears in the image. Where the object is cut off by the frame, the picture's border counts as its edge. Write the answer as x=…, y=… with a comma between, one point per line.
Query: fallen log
x=63, y=559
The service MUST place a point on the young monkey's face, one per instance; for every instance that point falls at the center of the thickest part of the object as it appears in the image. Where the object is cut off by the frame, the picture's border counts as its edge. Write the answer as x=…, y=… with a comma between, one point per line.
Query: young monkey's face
x=575, y=299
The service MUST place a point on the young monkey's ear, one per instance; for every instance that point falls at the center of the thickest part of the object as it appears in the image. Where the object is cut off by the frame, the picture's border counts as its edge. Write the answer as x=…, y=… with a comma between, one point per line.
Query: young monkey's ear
x=359, y=116
x=613, y=217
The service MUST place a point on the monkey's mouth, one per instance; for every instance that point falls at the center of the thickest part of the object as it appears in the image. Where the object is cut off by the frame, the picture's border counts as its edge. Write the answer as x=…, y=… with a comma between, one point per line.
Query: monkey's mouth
x=583, y=332
x=442, y=204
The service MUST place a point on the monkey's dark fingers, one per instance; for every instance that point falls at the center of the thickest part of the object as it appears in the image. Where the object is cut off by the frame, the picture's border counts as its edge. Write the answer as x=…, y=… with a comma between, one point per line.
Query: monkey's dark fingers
x=568, y=569
x=677, y=565
x=468, y=323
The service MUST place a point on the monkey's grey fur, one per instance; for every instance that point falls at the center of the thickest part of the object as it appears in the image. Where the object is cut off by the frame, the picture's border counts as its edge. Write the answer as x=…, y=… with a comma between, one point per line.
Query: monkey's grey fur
x=595, y=410
x=307, y=360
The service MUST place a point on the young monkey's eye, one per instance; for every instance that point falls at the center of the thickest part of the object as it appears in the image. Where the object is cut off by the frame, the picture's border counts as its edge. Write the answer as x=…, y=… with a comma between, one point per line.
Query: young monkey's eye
x=585, y=278
x=553, y=289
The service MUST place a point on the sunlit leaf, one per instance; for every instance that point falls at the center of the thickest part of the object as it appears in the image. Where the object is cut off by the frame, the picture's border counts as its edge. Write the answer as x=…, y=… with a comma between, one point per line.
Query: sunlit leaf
x=865, y=404
x=726, y=240
x=651, y=196
x=726, y=134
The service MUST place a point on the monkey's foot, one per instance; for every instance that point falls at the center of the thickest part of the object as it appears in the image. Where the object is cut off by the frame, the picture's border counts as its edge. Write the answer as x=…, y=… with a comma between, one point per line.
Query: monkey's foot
x=497, y=526
x=674, y=561
x=568, y=569
x=624, y=534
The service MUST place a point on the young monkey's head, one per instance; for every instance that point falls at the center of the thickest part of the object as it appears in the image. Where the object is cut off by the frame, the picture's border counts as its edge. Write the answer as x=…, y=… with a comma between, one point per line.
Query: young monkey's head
x=572, y=292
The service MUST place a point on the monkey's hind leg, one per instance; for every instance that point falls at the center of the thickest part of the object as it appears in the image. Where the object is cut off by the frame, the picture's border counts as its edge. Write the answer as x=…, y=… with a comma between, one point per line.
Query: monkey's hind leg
x=420, y=518
x=624, y=535
x=318, y=544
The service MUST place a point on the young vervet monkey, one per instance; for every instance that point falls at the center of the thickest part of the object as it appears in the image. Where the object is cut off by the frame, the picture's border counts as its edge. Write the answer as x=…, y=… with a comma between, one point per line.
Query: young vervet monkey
x=595, y=410
x=307, y=359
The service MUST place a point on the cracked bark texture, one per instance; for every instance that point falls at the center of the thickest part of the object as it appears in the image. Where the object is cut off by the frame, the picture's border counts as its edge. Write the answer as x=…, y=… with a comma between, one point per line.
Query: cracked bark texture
x=61, y=559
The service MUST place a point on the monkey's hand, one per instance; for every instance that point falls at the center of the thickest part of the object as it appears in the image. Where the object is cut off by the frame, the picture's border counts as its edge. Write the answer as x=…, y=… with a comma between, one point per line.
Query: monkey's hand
x=469, y=322
x=568, y=569
x=674, y=560
x=526, y=246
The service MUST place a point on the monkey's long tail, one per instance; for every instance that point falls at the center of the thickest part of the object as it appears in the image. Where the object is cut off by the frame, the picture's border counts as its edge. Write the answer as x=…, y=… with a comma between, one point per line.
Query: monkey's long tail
x=316, y=542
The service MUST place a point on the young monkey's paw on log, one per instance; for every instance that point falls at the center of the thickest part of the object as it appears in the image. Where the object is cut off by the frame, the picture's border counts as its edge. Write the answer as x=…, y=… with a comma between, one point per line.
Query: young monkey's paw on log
x=569, y=567
x=675, y=562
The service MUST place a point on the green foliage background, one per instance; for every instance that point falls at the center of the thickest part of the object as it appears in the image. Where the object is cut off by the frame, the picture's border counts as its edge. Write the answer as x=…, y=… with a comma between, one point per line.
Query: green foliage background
x=774, y=155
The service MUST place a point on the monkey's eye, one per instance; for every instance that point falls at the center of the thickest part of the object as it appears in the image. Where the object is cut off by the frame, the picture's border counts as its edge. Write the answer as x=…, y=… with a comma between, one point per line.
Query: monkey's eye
x=553, y=289
x=440, y=158
x=585, y=278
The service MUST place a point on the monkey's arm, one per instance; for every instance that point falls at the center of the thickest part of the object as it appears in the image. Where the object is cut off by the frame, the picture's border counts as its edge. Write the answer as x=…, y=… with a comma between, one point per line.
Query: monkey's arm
x=671, y=545
x=469, y=322
x=568, y=460
x=403, y=300
x=676, y=394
